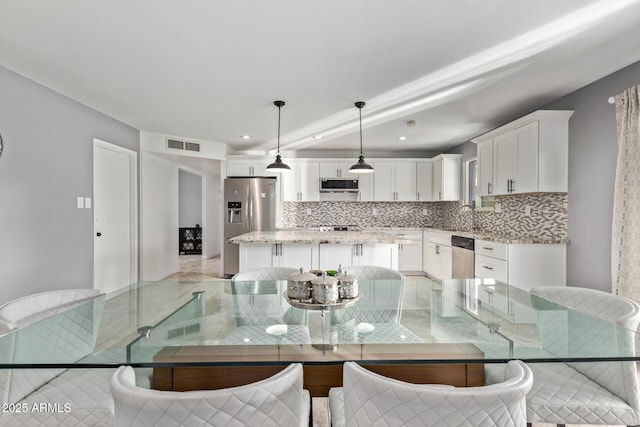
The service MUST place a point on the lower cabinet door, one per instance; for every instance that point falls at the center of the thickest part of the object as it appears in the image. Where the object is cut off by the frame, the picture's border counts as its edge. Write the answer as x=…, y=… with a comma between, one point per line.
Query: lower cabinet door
x=256, y=256
x=296, y=256
x=333, y=255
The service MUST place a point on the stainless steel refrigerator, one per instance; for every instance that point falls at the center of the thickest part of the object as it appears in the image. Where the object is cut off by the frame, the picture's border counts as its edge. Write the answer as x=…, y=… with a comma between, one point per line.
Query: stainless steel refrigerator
x=249, y=205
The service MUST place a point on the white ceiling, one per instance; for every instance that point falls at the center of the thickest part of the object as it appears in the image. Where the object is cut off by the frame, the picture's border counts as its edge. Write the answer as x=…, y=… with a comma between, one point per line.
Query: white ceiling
x=211, y=69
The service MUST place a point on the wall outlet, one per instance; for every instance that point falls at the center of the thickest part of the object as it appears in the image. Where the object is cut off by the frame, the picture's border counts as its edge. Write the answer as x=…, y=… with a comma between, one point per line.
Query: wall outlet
x=308, y=211
x=497, y=207
x=527, y=210
x=374, y=211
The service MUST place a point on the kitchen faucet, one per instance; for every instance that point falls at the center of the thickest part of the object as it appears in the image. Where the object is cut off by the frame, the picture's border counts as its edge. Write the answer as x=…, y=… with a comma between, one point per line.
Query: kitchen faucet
x=472, y=208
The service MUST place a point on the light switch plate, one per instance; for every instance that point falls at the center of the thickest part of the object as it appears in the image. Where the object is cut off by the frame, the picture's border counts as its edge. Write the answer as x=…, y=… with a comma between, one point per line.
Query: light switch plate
x=87, y=202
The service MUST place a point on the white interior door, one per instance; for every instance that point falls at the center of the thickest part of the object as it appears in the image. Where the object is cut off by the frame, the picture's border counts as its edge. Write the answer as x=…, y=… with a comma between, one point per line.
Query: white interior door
x=114, y=213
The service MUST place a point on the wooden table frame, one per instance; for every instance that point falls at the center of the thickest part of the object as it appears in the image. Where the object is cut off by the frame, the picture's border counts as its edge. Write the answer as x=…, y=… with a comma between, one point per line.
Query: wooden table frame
x=322, y=369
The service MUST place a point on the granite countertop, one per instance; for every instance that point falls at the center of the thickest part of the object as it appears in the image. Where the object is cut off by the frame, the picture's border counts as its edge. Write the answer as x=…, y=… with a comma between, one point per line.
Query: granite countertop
x=302, y=237
x=503, y=238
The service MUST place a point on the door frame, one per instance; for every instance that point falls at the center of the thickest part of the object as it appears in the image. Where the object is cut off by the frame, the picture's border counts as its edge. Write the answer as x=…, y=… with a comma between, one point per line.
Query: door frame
x=133, y=204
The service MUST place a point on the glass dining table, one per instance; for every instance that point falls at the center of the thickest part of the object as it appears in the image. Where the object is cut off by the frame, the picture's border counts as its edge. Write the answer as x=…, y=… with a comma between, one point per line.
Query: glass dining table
x=228, y=333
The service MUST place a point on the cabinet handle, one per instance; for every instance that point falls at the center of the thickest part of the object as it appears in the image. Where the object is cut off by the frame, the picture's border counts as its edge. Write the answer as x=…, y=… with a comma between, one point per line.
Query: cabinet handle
x=439, y=195
x=418, y=196
x=437, y=249
x=487, y=268
x=487, y=248
x=488, y=188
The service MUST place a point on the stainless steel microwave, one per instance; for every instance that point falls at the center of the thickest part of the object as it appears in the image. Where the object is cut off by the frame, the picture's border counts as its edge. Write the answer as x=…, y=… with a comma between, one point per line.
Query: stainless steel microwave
x=338, y=185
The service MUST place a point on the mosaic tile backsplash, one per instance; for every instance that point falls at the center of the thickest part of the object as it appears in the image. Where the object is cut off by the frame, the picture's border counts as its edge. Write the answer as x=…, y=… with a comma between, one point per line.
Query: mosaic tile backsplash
x=547, y=218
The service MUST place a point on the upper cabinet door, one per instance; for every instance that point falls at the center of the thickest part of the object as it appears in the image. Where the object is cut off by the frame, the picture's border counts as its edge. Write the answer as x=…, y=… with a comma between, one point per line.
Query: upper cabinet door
x=485, y=167
x=336, y=170
x=395, y=181
x=251, y=167
x=302, y=183
x=384, y=182
x=424, y=181
x=516, y=160
x=446, y=177
x=405, y=182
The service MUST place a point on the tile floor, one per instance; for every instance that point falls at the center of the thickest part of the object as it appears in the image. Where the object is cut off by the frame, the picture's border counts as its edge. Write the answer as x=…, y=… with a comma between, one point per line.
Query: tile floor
x=160, y=300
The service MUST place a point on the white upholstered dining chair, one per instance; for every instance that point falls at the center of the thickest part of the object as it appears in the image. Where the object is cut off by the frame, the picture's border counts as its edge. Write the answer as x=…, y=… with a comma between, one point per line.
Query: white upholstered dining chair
x=379, y=309
x=256, y=311
x=368, y=399
x=605, y=393
x=278, y=401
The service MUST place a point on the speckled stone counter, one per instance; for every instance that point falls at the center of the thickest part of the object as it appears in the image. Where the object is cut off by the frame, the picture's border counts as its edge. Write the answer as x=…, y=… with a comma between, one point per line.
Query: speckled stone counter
x=502, y=238
x=305, y=237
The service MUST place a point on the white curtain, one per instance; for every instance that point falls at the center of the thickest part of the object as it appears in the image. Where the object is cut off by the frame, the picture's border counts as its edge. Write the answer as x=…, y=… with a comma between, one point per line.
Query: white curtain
x=625, y=239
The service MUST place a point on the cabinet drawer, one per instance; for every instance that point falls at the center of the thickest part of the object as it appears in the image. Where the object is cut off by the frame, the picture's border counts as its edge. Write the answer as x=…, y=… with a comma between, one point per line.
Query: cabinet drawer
x=492, y=249
x=491, y=268
x=443, y=239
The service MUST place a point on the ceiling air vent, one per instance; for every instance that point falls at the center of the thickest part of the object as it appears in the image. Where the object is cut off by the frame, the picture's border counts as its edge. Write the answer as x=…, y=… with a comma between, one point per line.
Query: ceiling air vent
x=191, y=146
x=172, y=143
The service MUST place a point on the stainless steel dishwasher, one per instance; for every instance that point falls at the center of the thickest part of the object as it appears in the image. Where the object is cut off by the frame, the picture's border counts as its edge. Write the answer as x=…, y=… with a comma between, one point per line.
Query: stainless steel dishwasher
x=462, y=257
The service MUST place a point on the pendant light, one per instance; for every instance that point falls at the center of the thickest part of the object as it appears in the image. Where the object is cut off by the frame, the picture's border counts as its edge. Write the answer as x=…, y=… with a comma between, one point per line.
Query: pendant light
x=278, y=165
x=361, y=166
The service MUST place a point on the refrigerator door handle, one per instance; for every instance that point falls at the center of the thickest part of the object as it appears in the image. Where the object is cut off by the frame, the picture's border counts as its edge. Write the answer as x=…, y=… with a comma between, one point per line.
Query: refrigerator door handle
x=249, y=210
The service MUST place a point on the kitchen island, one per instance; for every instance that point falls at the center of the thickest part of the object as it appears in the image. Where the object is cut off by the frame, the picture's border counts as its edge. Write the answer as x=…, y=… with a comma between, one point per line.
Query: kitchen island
x=317, y=249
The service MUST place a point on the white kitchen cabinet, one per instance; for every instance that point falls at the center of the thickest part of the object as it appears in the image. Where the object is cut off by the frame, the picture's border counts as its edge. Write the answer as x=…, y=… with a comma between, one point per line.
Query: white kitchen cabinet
x=376, y=254
x=446, y=177
x=424, y=181
x=395, y=181
x=249, y=167
x=523, y=265
x=515, y=165
x=485, y=167
x=437, y=255
x=256, y=255
x=333, y=255
x=331, y=169
x=267, y=255
x=336, y=170
x=527, y=155
x=302, y=183
x=296, y=255
x=410, y=256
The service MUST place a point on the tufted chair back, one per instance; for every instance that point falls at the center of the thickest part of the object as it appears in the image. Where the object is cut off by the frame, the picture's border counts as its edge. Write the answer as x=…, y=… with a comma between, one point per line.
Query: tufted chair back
x=67, y=335
x=372, y=399
x=276, y=401
x=274, y=273
x=566, y=332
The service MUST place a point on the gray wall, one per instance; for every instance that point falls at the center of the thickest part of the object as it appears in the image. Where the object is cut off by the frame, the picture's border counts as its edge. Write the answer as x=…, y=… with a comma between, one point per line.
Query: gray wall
x=189, y=199
x=45, y=241
x=592, y=164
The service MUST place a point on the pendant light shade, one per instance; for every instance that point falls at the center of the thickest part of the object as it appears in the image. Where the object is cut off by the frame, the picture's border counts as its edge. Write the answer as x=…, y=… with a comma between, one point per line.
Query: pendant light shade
x=278, y=165
x=361, y=166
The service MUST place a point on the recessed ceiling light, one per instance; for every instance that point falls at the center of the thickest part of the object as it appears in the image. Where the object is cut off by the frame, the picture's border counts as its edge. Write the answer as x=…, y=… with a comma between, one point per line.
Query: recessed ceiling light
x=246, y=137
x=402, y=138
x=317, y=136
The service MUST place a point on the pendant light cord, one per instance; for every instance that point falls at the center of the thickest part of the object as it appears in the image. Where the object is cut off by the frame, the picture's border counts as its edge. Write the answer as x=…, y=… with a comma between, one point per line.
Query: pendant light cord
x=278, y=150
x=360, y=111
